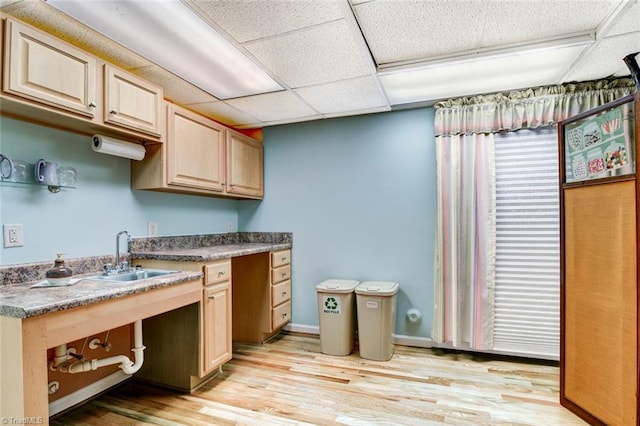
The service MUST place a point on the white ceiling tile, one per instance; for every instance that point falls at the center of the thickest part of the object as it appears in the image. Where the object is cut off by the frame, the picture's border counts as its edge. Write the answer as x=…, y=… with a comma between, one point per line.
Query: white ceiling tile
x=627, y=22
x=223, y=113
x=605, y=59
x=414, y=29
x=316, y=55
x=175, y=88
x=524, y=21
x=273, y=106
x=346, y=95
x=253, y=19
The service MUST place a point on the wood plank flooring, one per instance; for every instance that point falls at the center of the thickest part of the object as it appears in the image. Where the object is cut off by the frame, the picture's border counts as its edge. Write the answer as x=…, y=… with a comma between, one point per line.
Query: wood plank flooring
x=287, y=381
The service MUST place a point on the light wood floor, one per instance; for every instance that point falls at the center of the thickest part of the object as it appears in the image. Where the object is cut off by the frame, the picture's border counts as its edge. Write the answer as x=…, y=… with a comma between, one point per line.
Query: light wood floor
x=288, y=381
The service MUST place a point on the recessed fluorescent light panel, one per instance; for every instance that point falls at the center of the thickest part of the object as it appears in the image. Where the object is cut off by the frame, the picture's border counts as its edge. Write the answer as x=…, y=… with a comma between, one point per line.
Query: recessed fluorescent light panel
x=480, y=74
x=170, y=34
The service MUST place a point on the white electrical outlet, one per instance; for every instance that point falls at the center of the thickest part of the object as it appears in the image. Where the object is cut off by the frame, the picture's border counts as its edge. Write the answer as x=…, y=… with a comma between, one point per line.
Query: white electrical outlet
x=229, y=226
x=13, y=236
x=152, y=229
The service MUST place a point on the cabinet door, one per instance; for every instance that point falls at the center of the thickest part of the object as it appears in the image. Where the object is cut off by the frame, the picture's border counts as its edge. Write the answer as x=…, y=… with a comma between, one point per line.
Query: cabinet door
x=216, y=327
x=195, y=150
x=244, y=165
x=44, y=69
x=132, y=102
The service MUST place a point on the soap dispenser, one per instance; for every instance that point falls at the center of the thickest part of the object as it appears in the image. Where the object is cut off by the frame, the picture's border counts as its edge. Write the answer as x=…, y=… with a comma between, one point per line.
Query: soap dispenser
x=59, y=274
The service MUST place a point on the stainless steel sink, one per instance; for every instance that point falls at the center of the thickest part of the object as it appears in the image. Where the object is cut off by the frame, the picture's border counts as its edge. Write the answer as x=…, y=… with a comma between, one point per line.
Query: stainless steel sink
x=134, y=275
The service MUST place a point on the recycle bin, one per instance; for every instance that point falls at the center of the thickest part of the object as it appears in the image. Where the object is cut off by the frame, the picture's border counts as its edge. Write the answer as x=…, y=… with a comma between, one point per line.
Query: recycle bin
x=336, y=311
x=376, y=302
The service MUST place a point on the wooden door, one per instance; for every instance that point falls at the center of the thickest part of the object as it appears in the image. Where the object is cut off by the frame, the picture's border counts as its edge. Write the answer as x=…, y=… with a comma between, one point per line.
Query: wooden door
x=195, y=150
x=131, y=102
x=216, y=327
x=41, y=68
x=244, y=165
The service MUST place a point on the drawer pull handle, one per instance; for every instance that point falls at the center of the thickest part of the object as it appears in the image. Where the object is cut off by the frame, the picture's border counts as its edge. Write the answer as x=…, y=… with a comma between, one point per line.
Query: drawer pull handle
x=284, y=259
x=113, y=111
x=284, y=274
x=284, y=293
x=284, y=315
x=211, y=297
x=92, y=104
x=220, y=274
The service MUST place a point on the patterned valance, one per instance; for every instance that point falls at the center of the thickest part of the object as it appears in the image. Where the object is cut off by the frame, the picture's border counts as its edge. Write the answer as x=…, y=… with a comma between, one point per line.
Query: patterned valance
x=530, y=108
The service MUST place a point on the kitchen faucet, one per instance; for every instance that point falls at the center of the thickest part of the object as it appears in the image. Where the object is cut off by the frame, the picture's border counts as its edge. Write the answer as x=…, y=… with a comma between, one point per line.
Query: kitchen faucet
x=119, y=267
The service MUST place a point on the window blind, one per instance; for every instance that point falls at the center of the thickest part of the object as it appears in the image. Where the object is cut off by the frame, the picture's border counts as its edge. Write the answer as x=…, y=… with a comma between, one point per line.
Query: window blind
x=527, y=286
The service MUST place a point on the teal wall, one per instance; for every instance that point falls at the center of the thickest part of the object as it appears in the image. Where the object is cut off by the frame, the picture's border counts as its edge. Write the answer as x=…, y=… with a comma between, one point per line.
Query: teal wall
x=84, y=221
x=358, y=193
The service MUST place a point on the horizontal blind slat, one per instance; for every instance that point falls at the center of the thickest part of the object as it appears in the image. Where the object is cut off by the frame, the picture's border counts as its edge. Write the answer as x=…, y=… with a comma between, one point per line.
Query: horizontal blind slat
x=527, y=267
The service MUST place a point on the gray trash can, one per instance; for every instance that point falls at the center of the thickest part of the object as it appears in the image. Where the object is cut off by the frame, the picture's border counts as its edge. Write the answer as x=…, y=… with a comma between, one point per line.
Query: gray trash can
x=336, y=311
x=376, y=318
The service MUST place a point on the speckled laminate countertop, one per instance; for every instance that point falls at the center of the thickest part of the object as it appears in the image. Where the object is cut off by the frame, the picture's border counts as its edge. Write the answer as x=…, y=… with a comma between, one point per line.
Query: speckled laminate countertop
x=203, y=254
x=18, y=299
x=22, y=301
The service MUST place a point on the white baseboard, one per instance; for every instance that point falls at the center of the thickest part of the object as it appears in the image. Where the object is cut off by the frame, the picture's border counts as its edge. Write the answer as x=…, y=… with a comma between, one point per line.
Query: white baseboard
x=398, y=339
x=86, y=392
x=301, y=328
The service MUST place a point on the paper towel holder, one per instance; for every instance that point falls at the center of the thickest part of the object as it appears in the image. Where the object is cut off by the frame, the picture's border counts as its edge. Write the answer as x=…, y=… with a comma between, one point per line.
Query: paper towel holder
x=118, y=147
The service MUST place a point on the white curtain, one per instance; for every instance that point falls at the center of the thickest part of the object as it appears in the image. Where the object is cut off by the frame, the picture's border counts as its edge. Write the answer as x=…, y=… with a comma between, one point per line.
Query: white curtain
x=465, y=241
x=466, y=215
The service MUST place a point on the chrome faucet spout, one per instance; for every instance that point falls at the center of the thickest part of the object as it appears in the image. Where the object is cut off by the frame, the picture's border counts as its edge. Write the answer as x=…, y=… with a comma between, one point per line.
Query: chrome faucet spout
x=125, y=265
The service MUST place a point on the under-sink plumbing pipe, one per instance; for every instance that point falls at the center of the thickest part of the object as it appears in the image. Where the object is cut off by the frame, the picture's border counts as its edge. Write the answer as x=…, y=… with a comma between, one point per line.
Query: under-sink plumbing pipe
x=128, y=366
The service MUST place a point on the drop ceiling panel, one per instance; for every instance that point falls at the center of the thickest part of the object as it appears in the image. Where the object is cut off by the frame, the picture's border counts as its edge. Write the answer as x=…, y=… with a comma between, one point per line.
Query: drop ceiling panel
x=605, y=58
x=175, y=88
x=524, y=21
x=627, y=22
x=342, y=96
x=316, y=55
x=251, y=20
x=223, y=113
x=410, y=30
x=276, y=106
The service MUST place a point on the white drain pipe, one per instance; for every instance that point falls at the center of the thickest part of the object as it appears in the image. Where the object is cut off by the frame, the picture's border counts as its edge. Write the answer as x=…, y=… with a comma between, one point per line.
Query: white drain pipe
x=127, y=366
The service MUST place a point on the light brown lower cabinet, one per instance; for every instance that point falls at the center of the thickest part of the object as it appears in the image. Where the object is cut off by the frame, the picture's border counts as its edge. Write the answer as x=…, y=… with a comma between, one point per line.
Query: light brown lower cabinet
x=261, y=295
x=186, y=346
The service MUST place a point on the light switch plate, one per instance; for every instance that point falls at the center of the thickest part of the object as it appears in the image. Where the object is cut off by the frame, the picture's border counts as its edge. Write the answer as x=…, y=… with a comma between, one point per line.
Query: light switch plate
x=13, y=235
x=152, y=229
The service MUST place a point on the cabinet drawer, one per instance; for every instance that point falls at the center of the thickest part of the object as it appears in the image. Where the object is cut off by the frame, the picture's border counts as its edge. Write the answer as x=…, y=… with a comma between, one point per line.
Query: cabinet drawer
x=279, y=258
x=280, y=274
x=280, y=293
x=217, y=272
x=281, y=315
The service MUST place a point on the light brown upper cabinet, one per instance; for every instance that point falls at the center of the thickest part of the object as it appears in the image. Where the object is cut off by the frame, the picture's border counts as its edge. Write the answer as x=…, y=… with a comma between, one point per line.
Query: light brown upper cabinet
x=195, y=150
x=244, y=165
x=132, y=102
x=44, y=69
x=48, y=81
x=202, y=157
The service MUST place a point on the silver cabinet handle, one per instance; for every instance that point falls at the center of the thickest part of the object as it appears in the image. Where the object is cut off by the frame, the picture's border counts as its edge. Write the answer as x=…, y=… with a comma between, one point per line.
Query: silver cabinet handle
x=220, y=274
x=211, y=297
x=113, y=111
x=284, y=259
x=284, y=293
x=92, y=104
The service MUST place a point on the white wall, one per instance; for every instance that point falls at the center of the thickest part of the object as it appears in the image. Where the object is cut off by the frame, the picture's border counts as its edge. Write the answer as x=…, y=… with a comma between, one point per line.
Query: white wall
x=358, y=193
